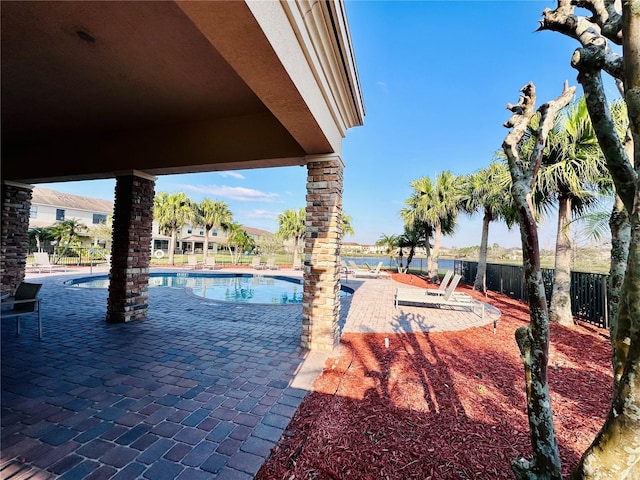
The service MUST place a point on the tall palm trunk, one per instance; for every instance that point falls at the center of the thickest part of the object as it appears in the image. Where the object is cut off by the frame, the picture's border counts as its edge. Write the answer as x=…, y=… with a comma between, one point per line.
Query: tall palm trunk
x=205, y=246
x=560, y=308
x=172, y=246
x=480, y=282
x=435, y=253
x=295, y=249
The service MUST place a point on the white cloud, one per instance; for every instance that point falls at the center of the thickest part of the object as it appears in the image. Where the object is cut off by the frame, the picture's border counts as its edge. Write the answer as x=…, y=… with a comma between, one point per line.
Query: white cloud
x=262, y=214
x=239, y=194
x=382, y=86
x=232, y=174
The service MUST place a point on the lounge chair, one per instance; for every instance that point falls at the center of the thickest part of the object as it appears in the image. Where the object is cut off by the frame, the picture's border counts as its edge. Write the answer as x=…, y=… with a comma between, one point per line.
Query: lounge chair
x=271, y=264
x=256, y=264
x=443, y=284
x=420, y=297
x=41, y=262
x=209, y=263
x=192, y=261
x=372, y=272
x=344, y=268
x=357, y=268
x=24, y=302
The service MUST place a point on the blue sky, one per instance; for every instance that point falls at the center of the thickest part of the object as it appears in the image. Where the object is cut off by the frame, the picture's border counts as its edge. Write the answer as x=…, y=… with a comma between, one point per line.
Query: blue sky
x=436, y=77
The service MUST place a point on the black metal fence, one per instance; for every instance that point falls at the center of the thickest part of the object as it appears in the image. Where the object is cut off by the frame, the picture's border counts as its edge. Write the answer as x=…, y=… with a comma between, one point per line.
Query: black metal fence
x=588, y=290
x=74, y=256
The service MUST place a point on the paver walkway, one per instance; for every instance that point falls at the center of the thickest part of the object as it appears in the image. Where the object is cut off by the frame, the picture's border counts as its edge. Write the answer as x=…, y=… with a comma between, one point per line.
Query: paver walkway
x=199, y=389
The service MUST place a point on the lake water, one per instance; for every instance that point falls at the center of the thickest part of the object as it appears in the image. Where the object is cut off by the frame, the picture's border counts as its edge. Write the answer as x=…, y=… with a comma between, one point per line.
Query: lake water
x=416, y=263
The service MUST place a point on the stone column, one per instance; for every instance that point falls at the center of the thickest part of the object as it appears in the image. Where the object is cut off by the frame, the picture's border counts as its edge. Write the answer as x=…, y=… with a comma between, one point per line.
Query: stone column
x=131, y=248
x=323, y=238
x=14, y=243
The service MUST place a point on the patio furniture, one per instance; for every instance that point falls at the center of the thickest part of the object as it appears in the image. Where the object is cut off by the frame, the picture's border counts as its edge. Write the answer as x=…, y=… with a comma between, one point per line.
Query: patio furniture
x=372, y=273
x=420, y=297
x=25, y=301
x=256, y=264
x=210, y=263
x=443, y=284
x=192, y=261
x=357, y=268
x=271, y=264
x=41, y=261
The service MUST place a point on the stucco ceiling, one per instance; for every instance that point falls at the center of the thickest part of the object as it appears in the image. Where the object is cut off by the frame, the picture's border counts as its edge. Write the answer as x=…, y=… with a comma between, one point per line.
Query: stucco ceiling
x=89, y=89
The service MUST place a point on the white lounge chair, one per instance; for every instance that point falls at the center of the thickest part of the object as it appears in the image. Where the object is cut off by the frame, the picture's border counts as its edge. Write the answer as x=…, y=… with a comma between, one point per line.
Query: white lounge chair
x=357, y=268
x=192, y=261
x=443, y=284
x=209, y=263
x=256, y=264
x=420, y=297
x=25, y=301
x=271, y=264
x=41, y=262
x=371, y=272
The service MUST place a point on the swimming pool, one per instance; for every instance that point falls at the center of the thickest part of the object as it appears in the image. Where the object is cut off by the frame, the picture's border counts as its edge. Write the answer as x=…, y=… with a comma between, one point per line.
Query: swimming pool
x=224, y=287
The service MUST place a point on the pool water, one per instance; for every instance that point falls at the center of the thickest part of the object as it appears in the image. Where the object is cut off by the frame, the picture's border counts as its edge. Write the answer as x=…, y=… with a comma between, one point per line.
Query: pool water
x=240, y=288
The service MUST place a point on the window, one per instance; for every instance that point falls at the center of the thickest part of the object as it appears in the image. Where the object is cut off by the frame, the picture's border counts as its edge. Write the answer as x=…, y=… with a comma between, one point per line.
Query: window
x=99, y=218
x=33, y=213
x=201, y=232
x=214, y=232
x=59, y=214
x=189, y=230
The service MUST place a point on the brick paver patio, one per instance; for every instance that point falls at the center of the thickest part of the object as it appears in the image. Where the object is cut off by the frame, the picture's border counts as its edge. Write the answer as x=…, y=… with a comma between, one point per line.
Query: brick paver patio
x=199, y=389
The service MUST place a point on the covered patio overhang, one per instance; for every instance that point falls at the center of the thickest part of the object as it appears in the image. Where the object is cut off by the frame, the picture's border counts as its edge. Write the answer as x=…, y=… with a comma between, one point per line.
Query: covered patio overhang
x=133, y=90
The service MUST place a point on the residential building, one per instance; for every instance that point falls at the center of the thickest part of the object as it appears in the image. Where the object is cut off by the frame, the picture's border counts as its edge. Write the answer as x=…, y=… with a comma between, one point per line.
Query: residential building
x=49, y=207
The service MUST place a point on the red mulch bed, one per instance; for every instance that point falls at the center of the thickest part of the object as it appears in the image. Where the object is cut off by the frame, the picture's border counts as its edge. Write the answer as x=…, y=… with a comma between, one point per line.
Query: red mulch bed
x=447, y=405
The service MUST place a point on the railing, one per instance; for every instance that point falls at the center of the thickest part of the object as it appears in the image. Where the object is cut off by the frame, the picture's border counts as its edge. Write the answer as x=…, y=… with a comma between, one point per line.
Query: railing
x=588, y=290
x=75, y=256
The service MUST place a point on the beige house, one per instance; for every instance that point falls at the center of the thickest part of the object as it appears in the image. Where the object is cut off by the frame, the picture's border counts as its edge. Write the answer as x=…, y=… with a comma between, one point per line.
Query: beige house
x=49, y=207
x=194, y=87
x=191, y=239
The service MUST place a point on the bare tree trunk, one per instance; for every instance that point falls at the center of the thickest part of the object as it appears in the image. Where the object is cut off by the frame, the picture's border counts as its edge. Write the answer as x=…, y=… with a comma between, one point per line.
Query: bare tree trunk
x=620, y=239
x=560, y=308
x=480, y=282
x=614, y=453
x=533, y=340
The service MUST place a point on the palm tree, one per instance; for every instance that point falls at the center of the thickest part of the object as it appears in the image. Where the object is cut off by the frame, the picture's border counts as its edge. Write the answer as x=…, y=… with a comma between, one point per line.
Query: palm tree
x=68, y=233
x=213, y=213
x=435, y=205
x=291, y=225
x=39, y=235
x=238, y=241
x=488, y=189
x=409, y=239
x=573, y=172
x=172, y=211
x=390, y=243
x=347, y=227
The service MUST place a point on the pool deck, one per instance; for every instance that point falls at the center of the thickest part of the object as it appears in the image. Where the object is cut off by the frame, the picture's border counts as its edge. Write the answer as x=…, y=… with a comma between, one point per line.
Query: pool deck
x=200, y=389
